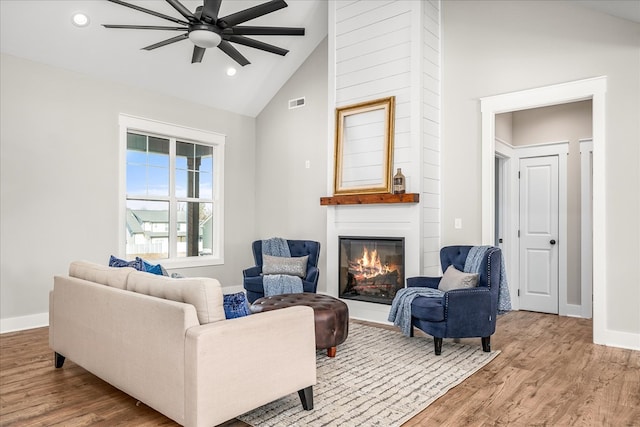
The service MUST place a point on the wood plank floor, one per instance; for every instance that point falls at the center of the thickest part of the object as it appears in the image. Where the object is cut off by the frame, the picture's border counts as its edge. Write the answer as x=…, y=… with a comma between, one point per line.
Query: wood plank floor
x=548, y=374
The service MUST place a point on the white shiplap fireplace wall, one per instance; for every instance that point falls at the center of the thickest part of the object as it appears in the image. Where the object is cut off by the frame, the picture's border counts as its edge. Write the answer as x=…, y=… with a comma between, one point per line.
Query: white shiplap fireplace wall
x=379, y=49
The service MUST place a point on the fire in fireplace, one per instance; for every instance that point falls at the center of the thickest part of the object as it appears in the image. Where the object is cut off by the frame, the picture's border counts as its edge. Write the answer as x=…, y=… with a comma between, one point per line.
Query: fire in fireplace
x=371, y=269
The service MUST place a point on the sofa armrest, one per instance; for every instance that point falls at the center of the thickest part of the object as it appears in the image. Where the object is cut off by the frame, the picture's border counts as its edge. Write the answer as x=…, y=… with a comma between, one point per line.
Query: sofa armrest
x=237, y=365
x=423, y=282
x=252, y=272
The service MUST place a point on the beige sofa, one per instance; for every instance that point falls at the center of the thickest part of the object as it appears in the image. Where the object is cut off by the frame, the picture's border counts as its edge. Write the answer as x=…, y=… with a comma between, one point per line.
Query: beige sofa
x=166, y=343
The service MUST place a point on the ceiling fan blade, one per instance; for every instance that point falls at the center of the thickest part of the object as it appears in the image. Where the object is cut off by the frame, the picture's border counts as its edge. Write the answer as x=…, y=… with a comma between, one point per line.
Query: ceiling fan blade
x=182, y=10
x=257, y=44
x=166, y=42
x=150, y=12
x=210, y=10
x=247, y=30
x=198, y=53
x=251, y=13
x=226, y=47
x=145, y=27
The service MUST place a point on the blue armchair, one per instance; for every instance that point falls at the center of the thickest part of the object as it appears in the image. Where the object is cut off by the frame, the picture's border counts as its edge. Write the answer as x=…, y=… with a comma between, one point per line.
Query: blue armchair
x=460, y=313
x=253, y=276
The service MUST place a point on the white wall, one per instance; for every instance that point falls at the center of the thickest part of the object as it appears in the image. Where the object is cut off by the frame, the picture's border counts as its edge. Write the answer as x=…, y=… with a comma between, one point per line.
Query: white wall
x=288, y=193
x=59, y=178
x=495, y=47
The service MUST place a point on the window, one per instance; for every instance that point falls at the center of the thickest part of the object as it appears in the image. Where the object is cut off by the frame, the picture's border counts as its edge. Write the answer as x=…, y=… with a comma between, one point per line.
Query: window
x=171, y=192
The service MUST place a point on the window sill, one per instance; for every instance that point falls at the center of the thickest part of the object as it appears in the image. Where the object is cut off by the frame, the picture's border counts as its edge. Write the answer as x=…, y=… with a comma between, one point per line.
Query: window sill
x=170, y=264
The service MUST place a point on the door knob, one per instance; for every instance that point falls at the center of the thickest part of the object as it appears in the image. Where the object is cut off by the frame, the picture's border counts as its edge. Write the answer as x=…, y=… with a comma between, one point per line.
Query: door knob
x=553, y=242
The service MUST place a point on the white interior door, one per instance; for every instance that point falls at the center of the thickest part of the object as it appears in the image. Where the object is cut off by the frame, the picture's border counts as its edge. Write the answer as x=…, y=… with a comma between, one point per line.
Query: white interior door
x=539, y=234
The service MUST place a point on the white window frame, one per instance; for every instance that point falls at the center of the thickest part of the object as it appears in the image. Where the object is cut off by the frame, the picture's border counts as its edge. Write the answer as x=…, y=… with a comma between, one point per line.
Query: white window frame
x=129, y=123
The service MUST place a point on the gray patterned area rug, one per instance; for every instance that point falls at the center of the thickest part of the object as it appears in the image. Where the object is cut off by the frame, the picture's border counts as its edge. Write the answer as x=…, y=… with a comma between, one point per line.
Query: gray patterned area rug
x=378, y=378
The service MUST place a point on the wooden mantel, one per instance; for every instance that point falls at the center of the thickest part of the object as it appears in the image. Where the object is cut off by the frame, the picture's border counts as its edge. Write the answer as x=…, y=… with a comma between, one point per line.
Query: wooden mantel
x=368, y=199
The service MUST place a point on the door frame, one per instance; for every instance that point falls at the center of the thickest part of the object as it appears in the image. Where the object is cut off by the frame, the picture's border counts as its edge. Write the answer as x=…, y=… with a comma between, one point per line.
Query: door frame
x=511, y=212
x=594, y=89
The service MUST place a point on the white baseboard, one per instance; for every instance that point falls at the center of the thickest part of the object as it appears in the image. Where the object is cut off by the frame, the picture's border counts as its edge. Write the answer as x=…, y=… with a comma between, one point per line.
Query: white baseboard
x=573, y=310
x=12, y=324
x=619, y=339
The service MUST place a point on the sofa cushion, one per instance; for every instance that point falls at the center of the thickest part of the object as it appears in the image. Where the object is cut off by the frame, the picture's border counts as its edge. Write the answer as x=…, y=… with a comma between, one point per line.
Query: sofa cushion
x=455, y=279
x=110, y=276
x=292, y=266
x=205, y=294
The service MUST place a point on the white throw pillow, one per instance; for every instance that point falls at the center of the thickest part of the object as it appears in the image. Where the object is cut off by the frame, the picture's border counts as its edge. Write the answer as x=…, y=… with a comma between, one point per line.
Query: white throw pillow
x=294, y=266
x=455, y=279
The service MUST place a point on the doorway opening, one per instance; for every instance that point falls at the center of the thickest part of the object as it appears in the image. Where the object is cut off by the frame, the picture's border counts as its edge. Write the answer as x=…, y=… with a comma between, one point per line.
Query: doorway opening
x=595, y=90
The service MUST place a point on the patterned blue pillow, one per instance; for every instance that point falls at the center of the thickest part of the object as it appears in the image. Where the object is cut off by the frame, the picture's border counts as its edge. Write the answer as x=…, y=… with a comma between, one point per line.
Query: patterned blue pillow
x=236, y=305
x=117, y=262
x=150, y=268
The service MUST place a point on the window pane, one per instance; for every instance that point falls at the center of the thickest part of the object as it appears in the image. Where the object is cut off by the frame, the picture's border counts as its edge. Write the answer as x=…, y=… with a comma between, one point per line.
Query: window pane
x=181, y=183
x=194, y=168
x=147, y=229
x=195, y=232
x=158, y=181
x=147, y=165
x=159, y=152
x=206, y=192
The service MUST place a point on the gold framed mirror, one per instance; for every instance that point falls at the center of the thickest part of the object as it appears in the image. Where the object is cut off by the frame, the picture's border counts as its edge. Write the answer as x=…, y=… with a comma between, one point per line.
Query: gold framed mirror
x=364, y=147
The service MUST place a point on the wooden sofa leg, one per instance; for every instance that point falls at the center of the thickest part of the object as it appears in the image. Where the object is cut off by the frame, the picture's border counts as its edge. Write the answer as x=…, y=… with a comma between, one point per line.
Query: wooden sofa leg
x=58, y=360
x=437, y=343
x=331, y=351
x=306, y=397
x=486, y=344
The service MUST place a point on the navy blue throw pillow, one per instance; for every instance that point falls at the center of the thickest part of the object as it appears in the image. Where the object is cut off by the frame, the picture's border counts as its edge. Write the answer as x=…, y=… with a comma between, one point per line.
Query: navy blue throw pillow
x=235, y=305
x=150, y=268
x=117, y=262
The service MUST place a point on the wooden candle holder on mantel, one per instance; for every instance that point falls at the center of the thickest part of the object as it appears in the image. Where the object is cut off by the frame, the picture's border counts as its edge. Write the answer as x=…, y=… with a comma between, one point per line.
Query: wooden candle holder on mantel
x=369, y=199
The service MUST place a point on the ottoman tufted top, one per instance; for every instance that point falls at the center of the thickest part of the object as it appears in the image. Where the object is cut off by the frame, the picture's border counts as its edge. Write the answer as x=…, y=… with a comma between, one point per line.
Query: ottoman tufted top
x=330, y=314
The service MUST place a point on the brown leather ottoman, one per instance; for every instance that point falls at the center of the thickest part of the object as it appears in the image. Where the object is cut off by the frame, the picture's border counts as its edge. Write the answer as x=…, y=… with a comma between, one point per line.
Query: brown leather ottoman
x=331, y=316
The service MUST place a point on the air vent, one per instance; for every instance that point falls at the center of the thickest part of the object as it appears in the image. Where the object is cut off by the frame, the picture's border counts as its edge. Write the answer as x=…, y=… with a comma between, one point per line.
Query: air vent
x=296, y=103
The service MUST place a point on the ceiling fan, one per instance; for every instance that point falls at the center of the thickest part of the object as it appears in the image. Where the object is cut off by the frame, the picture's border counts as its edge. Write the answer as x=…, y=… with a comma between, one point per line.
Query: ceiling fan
x=205, y=29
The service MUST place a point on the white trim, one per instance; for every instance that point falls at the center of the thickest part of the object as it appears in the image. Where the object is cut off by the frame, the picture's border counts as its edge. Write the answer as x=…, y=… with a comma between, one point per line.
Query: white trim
x=184, y=133
x=586, y=227
x=509, y=159
x=573, y=310
x=21, y=323
x=622, y=339
x=594, y=89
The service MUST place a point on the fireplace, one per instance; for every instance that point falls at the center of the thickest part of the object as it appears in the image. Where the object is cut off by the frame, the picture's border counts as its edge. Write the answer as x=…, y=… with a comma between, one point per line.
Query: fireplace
x=371, y=269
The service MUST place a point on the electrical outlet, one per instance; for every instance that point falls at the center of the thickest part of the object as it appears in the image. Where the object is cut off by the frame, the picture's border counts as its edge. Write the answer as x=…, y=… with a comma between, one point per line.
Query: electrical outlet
x=457, y=223
x=307, y=164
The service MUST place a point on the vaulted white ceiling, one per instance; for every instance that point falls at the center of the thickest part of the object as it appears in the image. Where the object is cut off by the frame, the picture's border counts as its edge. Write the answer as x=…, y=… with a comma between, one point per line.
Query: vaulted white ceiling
x=42, y=31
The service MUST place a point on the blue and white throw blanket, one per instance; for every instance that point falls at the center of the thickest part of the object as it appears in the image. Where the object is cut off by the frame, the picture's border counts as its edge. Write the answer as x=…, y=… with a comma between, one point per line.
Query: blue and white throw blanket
x=278, y=284
x=400, y=313
x=472, y=265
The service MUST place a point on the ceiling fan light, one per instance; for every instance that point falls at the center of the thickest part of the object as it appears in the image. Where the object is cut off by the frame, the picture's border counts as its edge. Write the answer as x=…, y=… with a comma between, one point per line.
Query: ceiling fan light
x=205, y=38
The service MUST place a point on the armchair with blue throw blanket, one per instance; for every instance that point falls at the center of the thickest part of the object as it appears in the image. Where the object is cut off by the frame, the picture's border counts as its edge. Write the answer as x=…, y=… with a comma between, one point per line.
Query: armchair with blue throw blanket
x=274, y=273
x=461, y=304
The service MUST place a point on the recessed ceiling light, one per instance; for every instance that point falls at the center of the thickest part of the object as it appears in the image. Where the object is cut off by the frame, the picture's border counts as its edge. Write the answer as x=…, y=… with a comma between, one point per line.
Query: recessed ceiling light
x=80, y=19
x=231, y=71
